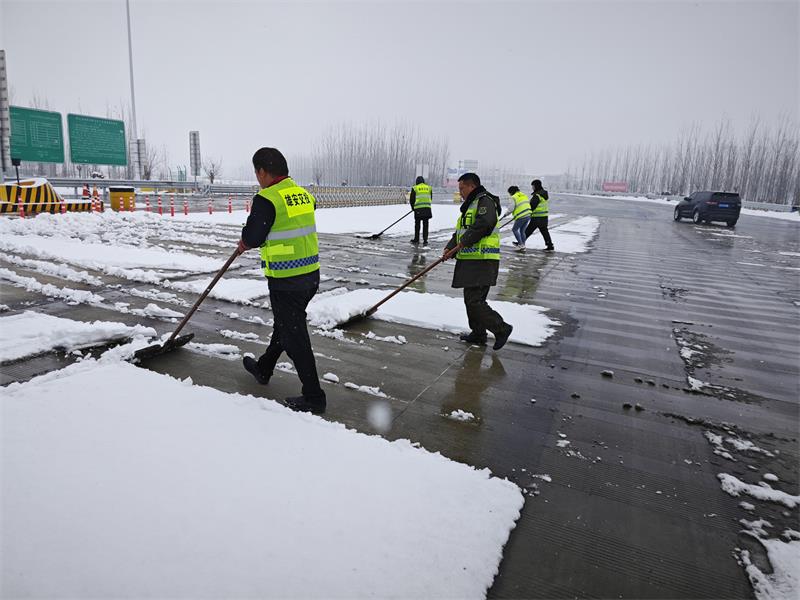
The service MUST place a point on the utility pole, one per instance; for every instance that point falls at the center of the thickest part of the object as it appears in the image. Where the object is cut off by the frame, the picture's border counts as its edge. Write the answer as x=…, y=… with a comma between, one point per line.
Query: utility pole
x=134, y=134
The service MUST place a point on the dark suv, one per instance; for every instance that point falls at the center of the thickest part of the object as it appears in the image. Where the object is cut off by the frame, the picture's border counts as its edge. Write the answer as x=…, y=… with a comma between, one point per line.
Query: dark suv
x=704, y=207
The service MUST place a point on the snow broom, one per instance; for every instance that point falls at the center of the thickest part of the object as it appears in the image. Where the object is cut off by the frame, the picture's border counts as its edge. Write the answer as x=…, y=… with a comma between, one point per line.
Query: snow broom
x=375, y=236
x=174, y=341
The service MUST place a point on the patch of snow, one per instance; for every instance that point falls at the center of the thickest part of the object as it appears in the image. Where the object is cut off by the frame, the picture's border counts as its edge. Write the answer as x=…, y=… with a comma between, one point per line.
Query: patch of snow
x=432, y=311
x=733, y=486
x=331, y=377
x=135, y=513
x=32, y=333
x=460, y=415
x=372, y=391
x=238, y=335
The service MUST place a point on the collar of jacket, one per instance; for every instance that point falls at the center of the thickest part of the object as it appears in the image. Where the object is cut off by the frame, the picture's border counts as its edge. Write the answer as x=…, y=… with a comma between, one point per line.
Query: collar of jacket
x=470, y=199
x=277, y=181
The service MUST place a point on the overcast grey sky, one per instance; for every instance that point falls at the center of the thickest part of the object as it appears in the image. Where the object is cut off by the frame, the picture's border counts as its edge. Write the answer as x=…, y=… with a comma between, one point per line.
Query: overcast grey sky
x=526, y=84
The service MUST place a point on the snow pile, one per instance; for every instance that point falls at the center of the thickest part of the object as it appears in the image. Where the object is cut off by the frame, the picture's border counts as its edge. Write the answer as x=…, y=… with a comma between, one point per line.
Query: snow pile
x=153, y=487
x=242, y=291
x=460, y=415
x=763, y=491
x=104, y=257
x=784, y=581
x=69, y=295
x=32, y=333
x=431, y=311
x=239, y=335
x=157, y=312
x=366, y=389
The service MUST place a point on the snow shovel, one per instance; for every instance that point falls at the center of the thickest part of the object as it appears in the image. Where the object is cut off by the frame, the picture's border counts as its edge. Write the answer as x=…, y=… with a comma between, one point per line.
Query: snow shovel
x=174, y=341
x=375, y=236
x=371, y=311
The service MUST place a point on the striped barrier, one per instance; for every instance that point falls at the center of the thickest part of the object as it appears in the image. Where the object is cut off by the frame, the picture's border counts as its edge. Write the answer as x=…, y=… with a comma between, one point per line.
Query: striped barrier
x=37, y=196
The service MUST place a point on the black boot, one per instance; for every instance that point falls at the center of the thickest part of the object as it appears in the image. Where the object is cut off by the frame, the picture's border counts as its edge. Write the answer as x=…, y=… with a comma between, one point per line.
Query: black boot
x=473, y=338
x=501, y=338
x=251, y=365
x=414, y=241
x=303, y=404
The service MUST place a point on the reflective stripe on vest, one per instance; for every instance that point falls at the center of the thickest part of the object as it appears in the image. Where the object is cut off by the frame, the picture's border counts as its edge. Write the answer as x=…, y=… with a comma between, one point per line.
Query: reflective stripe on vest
x=422, y=195
x=522, y=206
x=291, y=247
x=487, y=248
x=541, y=208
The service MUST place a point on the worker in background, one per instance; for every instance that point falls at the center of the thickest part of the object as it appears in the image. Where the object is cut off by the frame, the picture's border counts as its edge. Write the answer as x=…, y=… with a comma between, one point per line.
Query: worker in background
x=539, y=211
x=282, y=224
x=420, y=199
x=520, y=207
x=476, y=246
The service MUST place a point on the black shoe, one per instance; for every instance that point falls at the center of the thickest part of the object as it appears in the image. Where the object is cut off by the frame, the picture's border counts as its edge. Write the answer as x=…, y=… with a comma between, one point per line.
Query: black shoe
x=425, y=242
x=303, y=404
x=501, y=339
x=251, y=366
x=414, y=241
x=473, y=338
x=515, y=243
x=549, y=249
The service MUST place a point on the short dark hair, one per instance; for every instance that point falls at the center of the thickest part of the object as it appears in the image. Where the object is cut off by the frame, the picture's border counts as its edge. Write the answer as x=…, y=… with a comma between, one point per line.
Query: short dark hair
x=537, y=183
x=513, y=189
x=470, y=178
x=270, y=160
x=420, y=179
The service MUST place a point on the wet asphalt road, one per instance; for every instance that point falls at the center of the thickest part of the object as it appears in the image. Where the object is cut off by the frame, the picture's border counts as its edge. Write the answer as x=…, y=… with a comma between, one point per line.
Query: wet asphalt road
x=634, y=508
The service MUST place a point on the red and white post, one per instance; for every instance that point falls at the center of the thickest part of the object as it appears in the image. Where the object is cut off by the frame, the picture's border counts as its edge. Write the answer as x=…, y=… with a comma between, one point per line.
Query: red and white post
x=172, y=205
x=247, y=205
x=147, y=204
x=230, y=204
x=210, y=206
x=185, y=207
x=160, y=206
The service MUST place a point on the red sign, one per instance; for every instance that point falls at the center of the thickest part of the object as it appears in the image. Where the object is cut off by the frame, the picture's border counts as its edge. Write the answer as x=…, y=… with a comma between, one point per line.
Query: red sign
x=615, y=186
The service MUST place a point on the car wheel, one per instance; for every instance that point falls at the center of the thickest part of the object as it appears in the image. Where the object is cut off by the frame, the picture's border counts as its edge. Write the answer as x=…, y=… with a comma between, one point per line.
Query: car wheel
x=677, y=215
x=697, y=218
x=731, y=223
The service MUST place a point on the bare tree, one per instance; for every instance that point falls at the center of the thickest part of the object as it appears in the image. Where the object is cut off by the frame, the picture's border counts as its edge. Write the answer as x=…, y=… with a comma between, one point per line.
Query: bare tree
x=212, y=167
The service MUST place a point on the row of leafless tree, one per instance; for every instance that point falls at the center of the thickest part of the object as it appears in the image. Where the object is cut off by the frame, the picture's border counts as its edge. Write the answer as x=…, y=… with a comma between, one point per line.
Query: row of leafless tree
x=762, y=164
x=373, y=154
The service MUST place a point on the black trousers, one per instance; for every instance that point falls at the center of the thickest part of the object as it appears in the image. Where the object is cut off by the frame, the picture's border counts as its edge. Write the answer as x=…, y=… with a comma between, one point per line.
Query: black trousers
x=539, y=223
x=424, y=229
x=481, y=316
x=290, y=334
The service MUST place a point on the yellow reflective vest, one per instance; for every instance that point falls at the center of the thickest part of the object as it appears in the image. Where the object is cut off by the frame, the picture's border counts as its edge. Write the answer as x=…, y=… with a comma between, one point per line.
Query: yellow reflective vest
x=522, y=206
x=423, y=193
x=291, y=248
x=487, y=248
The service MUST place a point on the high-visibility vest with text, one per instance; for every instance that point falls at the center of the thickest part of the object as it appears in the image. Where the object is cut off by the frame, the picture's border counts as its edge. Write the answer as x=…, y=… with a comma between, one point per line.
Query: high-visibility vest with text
x=291, y=247
x=423, y=194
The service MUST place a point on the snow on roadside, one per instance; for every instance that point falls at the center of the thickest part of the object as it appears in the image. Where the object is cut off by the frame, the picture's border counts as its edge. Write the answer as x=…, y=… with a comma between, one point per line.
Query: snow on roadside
x=135, y=513
x=431, y=311
x=225, y=351
x=32, y=333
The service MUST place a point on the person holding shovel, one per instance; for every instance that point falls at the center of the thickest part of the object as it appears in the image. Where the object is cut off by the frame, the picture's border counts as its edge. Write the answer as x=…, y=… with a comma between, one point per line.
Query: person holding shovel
x=282, y=224
x=476, y=247
x=420, y=199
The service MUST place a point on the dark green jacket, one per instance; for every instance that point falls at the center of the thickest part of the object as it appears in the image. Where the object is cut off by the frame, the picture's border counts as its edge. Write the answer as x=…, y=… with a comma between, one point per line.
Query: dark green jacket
x=477, y=273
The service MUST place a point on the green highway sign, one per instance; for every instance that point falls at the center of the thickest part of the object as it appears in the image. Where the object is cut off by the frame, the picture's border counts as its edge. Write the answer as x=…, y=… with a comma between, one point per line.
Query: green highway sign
x=96, y=141
x=36, y=135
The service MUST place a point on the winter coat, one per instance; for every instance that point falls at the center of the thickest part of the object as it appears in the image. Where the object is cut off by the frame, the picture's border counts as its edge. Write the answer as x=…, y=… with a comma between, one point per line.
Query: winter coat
x=477, y=273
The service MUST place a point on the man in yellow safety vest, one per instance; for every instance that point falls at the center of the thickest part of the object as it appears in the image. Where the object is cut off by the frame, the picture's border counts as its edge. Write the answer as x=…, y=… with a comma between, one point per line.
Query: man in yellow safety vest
x=476, y=246
x=282, y=224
